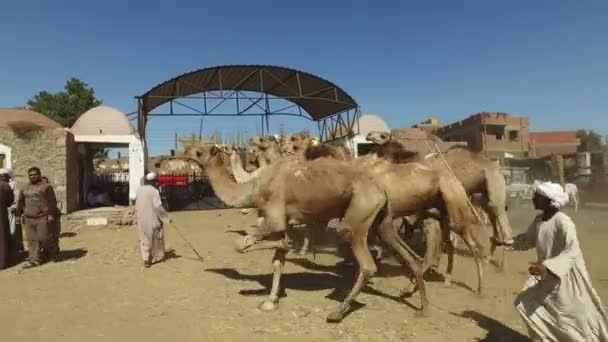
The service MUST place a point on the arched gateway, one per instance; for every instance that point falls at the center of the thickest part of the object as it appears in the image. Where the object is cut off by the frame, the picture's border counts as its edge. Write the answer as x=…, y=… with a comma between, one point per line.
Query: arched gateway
x=252, y=90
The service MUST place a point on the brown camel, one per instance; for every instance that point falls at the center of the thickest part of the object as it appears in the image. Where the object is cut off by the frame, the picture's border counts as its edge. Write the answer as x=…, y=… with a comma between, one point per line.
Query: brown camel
x=421, y=188
x=268, y=146
x=295, y=182
x=288, y=192
x=307, y=148
x=298, y=145
x=478, y=175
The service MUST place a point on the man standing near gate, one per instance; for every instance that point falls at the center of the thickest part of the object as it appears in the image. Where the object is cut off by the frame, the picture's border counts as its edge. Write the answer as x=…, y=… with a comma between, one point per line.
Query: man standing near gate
x=37, y=204
x=150, y=215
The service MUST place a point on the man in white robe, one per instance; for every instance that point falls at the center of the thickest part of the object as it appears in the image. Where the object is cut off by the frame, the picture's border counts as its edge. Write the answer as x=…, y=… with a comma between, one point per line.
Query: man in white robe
x=558, y=302
x=150, y=216
x=572, y=191
x=15, y=225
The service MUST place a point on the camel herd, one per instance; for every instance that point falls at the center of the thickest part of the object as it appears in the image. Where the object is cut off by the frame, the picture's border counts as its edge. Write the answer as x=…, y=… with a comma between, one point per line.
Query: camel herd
x=296, y=180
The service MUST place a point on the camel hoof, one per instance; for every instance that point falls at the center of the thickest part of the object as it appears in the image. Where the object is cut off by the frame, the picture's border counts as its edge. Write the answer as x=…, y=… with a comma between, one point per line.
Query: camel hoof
x=335, y=317
x=406, y=293
x=303, y=252
x=268, y=305
x=422, y=313
x=243, y=243
x=447, y=283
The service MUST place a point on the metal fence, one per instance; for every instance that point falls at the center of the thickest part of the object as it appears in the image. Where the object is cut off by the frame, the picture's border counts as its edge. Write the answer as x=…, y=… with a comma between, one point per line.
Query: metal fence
x=115, y=183
x=187, y=191
x=179, y=191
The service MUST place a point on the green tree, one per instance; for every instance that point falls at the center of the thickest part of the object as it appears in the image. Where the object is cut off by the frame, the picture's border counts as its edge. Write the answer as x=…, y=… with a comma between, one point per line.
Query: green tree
x=67, y=105
x=590, y=141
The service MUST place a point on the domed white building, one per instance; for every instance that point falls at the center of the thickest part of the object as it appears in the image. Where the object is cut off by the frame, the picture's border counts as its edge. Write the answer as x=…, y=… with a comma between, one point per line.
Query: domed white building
x=357, y=143
x=107, y=127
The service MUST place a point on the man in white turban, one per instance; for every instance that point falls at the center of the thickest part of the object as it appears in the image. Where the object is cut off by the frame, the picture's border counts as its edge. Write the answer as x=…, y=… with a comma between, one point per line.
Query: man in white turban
x=558, y=302
x=150, y=216
x=572, y=191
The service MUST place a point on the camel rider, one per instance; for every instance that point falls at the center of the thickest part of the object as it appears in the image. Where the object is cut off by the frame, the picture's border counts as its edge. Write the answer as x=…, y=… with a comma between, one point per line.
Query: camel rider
x=37, y=204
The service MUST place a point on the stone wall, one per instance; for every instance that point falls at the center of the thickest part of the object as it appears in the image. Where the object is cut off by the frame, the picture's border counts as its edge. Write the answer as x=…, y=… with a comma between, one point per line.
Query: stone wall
x=47, y=149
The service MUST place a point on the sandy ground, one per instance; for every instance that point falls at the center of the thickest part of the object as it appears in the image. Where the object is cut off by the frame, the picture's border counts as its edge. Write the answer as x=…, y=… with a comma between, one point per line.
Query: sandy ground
x=101, y=292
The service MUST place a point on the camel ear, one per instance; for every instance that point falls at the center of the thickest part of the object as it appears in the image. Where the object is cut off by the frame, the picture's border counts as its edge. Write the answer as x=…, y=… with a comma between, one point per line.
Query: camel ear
x=272, y=138
x=215, y=150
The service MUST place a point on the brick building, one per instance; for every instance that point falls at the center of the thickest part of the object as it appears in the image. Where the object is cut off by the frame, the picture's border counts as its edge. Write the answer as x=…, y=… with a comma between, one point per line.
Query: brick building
x=496, y=134
x=555, y=142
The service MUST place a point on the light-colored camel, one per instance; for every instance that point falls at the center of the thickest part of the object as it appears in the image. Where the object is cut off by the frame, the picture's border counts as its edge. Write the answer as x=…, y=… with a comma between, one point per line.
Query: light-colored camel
x=308, y=148
x=478, y=175
x=298, y=145
x=289, y=192
x=280, y=188
x=414, y=188
x=269, y=147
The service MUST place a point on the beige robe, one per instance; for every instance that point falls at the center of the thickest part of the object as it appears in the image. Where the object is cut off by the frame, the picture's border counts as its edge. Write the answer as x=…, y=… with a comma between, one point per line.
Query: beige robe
x=569, y=310
x=150, y=215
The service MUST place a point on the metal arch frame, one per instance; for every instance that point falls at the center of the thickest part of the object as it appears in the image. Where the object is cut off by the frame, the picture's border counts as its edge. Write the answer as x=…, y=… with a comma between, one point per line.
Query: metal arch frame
x=332, y=127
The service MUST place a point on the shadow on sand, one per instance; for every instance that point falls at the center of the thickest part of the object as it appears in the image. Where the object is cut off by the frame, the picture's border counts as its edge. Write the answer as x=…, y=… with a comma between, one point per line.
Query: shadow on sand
x=336, y=278
x=72, y=254
x=496, y=331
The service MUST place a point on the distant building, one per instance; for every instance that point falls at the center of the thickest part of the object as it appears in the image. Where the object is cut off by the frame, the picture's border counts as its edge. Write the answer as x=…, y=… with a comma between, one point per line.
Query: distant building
x=422, y=141
x=554, y=142
x=497, y=135
x=27, y=139
x=430, y=125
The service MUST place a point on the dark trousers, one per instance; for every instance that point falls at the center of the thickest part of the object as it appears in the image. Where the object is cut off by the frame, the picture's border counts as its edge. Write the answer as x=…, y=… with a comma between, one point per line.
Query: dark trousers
x=37, y=234
x=51, y=248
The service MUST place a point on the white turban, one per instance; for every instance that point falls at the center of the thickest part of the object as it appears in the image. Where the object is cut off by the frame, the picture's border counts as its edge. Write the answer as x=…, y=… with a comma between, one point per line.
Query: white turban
x=151, y=176
x=4, y=172
x=554, y=192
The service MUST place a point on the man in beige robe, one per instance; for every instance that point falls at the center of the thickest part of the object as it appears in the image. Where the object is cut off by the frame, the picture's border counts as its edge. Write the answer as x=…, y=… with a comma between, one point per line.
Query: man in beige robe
x=150, y=216
x=558, y=302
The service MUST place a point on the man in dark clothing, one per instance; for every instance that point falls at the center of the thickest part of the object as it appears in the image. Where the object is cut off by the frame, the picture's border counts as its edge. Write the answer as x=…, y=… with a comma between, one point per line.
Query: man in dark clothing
x=51, y=249
x=6, y=199
x=37, y=204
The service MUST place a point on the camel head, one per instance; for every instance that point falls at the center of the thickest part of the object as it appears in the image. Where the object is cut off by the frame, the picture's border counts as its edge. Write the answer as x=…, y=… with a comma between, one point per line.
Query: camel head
x=229, y=148
x=264, y=141
x=378, y=137
x=294, y=143
x=202, y=155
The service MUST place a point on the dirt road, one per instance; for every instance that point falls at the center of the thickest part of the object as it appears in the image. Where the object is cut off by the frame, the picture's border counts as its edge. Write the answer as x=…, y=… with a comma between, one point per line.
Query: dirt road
x=101, y=292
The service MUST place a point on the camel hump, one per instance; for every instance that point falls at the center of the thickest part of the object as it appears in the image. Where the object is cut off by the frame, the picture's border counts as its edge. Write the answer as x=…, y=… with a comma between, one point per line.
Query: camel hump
x=394, y=151
x=318, y=151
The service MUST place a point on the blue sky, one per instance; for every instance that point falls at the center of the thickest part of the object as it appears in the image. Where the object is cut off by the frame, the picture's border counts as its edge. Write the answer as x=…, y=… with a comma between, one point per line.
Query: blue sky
x=403, y=60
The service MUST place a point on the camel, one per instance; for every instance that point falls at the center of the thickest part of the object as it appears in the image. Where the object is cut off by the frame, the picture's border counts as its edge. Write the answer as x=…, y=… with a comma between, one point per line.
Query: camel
x=299, y=145
x=268, y=146
x=298, y=142
x=308, y=148
x=478, y=175
x=421, y=188
x=289, y=192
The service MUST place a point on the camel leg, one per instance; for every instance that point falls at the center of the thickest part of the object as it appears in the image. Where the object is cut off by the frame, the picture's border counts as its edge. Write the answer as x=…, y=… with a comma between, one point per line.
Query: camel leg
x=355, y=227
x=278, y=261
x=305, y=246
x=391, y=238
x=367, y=270
x=449, y=249
x=478, y=261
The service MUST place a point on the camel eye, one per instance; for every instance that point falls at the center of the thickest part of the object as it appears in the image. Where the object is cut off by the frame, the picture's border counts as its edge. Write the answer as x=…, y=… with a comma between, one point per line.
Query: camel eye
x=383, y=136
